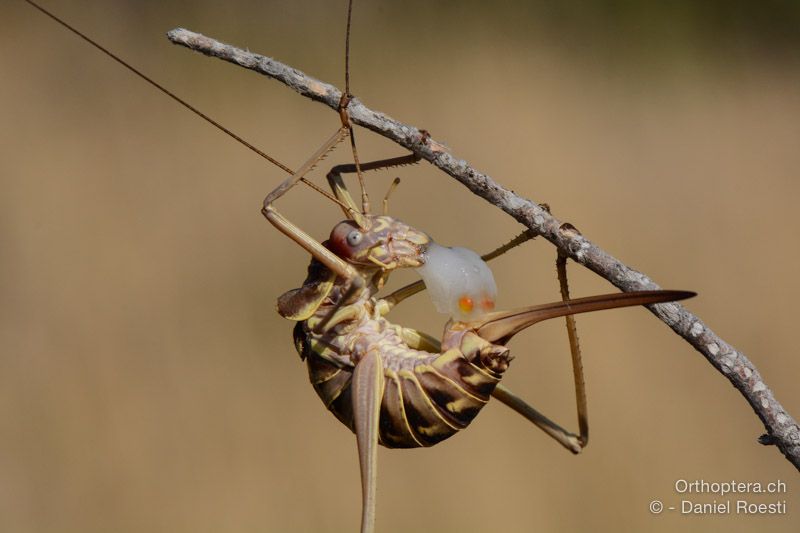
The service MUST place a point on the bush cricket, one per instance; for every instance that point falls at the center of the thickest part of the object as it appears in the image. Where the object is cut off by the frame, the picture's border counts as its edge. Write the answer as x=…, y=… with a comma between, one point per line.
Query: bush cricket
x=391, y=385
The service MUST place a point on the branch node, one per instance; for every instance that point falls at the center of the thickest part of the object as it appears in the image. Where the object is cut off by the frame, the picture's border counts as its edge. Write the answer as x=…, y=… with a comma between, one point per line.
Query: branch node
x=767, y=440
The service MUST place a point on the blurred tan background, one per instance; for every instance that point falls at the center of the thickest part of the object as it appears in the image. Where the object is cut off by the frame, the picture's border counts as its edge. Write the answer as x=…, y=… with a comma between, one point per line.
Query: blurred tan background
x=146, y=381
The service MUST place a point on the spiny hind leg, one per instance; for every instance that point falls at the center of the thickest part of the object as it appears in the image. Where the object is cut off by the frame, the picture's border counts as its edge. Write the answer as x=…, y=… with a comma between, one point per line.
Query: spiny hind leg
x=574, y=347
x=566, y=438
x=574, y=443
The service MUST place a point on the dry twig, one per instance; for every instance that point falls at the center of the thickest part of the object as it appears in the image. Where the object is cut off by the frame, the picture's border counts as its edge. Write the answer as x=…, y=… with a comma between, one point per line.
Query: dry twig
x=782, y=429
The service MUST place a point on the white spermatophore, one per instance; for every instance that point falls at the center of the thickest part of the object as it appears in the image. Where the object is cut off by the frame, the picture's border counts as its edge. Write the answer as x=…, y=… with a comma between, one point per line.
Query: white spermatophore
x=459, y=282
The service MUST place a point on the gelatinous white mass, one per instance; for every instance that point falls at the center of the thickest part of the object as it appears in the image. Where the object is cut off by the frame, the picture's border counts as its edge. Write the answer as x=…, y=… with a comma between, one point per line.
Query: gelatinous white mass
x=459, y=282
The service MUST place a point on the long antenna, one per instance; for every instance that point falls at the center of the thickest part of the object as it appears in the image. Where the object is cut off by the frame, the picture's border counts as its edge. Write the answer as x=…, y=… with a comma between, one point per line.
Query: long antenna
x=347, y=49
x=181, y=101
x=161, y=88
x=364, y=197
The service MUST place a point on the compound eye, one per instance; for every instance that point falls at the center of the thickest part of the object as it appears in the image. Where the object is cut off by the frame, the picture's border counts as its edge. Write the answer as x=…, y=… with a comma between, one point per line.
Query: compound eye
x=354, y=238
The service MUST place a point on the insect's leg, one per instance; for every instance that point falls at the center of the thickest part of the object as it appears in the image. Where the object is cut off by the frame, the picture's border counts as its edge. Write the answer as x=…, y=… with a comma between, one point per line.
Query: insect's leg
x=575, y=353
x=367, y=391
x=566, y=438
x=572, y=442
x=411, y=289
x=500, y=327
x=340, y=190
x=315, y=248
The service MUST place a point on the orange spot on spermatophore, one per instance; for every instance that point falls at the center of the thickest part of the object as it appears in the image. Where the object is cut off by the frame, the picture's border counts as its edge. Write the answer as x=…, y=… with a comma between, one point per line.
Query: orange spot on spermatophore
x=465, y=304
x=487, y=304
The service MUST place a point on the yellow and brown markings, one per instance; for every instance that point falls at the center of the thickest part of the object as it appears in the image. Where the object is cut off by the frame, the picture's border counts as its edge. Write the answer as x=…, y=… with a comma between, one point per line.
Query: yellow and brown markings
x=427, y=397
x=429, y=394
x=453, y=402
x=477, y=381
x=423, y=418
x=394, y=244
x=394, y=429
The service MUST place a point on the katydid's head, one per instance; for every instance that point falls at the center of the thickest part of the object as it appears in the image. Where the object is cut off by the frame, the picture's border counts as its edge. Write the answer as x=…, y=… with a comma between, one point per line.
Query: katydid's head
x=380, y=241
x=459, y=282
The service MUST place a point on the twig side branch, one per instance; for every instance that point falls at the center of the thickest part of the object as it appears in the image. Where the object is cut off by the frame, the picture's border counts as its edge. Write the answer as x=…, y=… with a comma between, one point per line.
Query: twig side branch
x=782, y=429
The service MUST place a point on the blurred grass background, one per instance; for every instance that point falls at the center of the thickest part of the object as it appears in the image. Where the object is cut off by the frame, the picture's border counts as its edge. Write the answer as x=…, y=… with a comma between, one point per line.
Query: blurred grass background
x=146, y=382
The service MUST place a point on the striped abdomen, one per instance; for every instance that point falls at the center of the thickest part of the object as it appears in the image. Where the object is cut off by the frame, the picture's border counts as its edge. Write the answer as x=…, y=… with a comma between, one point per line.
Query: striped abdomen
x=427, y=397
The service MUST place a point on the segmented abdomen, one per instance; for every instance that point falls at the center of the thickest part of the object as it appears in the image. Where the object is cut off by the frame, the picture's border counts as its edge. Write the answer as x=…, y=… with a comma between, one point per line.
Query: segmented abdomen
x=425, y=400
